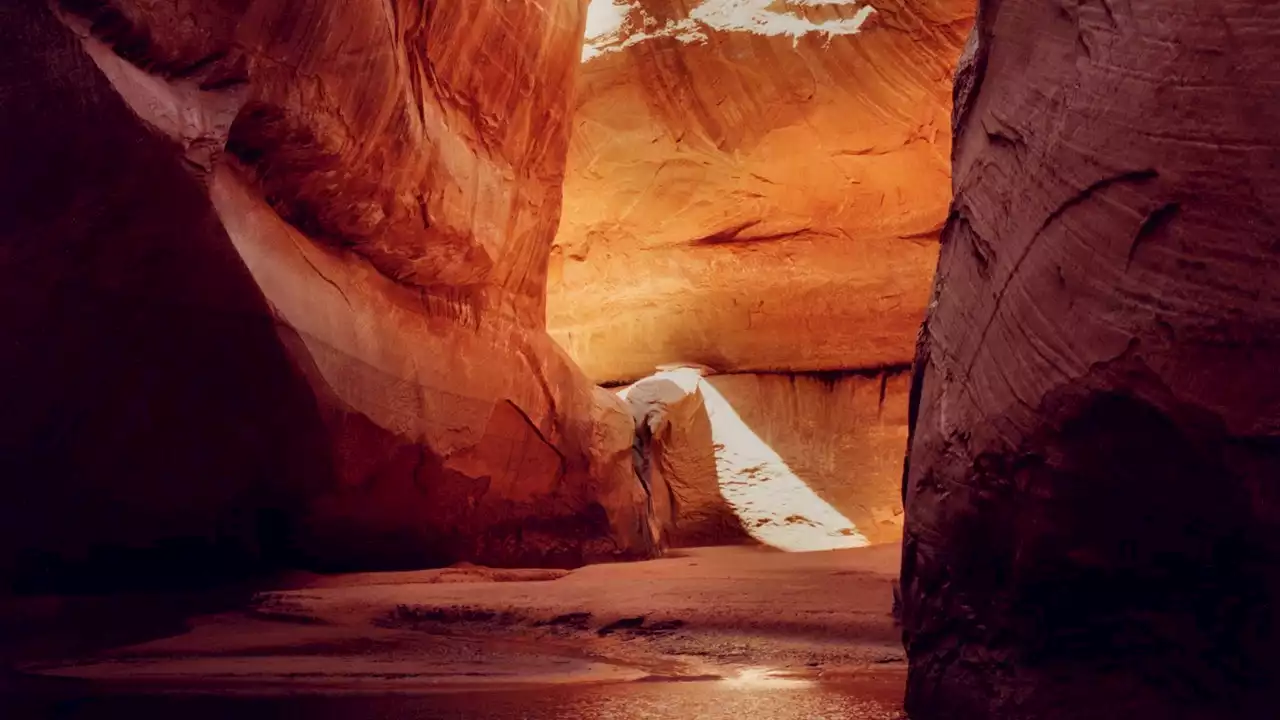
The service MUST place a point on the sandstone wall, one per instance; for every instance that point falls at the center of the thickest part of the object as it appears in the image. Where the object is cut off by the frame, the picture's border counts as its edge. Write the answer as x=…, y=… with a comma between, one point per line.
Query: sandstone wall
x=275, y=271
x=1091, y=494
x=754, y=186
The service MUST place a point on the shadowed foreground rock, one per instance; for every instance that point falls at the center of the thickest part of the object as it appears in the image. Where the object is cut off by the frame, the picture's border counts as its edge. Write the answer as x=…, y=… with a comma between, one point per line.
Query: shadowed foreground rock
x=273, y=277
x=1092, y=513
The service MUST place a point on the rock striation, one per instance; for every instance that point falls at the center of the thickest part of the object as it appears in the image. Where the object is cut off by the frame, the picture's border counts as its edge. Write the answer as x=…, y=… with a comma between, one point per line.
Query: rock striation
x=274, y=275
x=754, y=186
x=1091, y=491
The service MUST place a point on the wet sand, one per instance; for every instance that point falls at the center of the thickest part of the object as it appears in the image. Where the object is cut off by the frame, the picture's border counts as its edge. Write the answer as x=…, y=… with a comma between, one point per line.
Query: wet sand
x=734, y=617
x=638, y=701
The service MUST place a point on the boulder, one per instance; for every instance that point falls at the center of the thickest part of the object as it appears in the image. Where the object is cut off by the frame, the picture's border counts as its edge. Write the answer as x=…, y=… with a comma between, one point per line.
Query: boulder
x=797, y=462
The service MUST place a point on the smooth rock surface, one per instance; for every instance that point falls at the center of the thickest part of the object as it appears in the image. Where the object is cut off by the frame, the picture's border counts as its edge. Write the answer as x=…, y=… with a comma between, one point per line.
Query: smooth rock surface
x=427, y=138
x=274, y=290
x=453, y=440
x=1091, y=496
x=754, y=186
x=797, y=462
x=675, y=454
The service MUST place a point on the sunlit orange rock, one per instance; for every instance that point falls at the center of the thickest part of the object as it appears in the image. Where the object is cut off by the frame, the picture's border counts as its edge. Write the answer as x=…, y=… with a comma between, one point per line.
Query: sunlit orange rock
x=754, y=185
x=294, y=252
x=797, y=462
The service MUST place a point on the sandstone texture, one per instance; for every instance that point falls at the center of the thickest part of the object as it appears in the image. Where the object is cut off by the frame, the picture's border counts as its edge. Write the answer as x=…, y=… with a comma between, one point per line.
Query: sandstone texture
x=754, y=185
x=273, y=274
x=796, y=462
x=1092, y=518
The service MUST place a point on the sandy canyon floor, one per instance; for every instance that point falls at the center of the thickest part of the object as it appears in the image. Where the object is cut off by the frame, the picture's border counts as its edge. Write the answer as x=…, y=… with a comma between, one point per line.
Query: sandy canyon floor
x=742, y=616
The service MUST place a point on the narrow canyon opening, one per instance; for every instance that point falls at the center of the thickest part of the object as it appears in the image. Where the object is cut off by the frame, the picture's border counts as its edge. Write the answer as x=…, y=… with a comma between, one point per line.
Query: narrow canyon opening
x=639, y=358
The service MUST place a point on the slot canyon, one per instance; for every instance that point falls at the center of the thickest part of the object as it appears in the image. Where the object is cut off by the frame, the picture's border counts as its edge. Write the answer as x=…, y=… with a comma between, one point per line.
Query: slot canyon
x=640, y=358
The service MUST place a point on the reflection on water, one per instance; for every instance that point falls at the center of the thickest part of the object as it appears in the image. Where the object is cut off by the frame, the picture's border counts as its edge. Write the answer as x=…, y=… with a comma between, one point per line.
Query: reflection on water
x=634, y=701
x=763, y=677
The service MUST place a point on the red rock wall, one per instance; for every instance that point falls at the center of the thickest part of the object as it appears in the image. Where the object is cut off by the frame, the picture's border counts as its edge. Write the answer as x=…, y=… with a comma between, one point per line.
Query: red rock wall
x=754, y=186
x=1092, y=515
x=275, y=279
x=757, y=187
x=429, y=138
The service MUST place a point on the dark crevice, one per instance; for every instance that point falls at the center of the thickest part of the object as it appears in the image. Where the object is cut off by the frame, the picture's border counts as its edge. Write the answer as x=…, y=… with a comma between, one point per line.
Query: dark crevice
x=543, y=438
x=733, y=235
x=1001, y=133
x=1133, y=176
x=1085, y=194
x=884, y=388
x=1154, y=224
x=1111, y=15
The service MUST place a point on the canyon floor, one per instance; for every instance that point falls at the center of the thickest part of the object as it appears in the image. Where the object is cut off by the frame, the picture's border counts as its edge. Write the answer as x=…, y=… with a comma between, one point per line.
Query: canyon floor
x=746, y=616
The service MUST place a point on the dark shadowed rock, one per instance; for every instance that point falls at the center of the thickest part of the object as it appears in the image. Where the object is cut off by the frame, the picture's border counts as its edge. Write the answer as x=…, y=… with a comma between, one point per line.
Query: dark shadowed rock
x=151, y=420
x=1093, y=489
x=273, y=290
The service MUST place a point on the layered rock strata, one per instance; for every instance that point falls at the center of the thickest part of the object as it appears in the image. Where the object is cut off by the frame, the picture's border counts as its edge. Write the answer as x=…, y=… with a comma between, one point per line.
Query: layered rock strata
x=754, y=186
x=274, y=275
x=1092, y=518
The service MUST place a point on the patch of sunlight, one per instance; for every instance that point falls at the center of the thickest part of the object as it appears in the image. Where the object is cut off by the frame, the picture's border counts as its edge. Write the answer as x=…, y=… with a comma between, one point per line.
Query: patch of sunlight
x=608, y=30
x=762, y=677
x=605, y=22
x=757, y=16
x=774, y=505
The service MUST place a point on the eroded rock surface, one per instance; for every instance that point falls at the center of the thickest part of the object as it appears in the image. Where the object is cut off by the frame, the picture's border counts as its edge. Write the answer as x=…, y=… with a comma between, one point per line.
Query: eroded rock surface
x=798, y=462
x=754, y=185
x=1091, y=493
x=274, y=272
x=675, y=455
